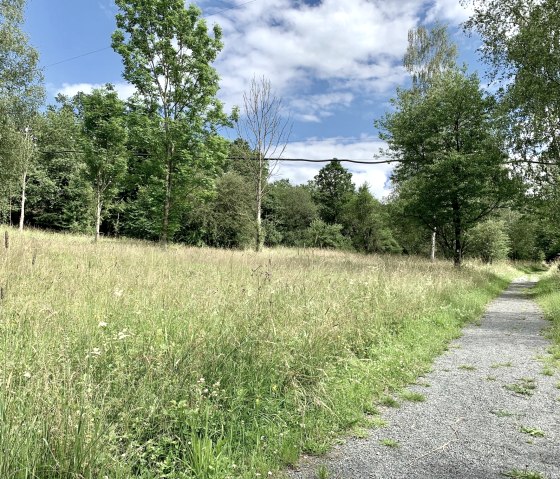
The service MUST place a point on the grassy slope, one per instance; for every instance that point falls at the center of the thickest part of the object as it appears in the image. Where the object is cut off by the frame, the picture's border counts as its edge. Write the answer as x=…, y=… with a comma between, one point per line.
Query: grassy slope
x=547, y=293
x=125, y=360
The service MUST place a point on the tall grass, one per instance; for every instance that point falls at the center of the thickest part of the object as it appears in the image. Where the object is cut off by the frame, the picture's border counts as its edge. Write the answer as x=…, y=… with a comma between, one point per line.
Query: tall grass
x=125, y=360
x=547, y=293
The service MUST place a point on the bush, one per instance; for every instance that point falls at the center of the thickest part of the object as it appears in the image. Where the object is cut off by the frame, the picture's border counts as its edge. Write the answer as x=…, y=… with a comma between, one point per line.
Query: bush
x=489, y=241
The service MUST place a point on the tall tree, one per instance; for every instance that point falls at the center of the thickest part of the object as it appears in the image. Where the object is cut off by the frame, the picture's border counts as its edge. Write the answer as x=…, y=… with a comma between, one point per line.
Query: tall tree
x=333, y=189
x=167, y=53
x=21, y=90
x=429, y=53
x=451, y=170
x=104, y=138
x=521, y=41
x=266, y=131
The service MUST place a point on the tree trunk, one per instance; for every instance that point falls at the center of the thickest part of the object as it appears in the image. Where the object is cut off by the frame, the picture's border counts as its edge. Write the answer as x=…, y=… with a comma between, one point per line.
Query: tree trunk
x=433, y=251
x=167, y=205
x=98, y=216
x=258, y=233
x=23, y=198
x=458, y=233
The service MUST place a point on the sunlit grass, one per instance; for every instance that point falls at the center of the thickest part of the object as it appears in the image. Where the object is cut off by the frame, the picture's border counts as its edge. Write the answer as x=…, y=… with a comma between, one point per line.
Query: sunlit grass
x=123, y=359
x=547, y=293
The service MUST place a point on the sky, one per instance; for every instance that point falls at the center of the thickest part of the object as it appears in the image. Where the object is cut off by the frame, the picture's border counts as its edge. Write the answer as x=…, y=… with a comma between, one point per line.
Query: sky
x=335, y=64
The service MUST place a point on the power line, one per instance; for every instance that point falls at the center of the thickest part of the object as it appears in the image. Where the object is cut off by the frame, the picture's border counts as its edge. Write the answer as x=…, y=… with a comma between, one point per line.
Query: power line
x=78, y=56
x=307, y=160
x=108, y=48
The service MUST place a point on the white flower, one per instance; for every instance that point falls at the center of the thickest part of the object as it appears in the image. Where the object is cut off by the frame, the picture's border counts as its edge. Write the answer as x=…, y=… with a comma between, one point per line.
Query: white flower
x=27, y=375
x=95, y=352
x=102, y=324
x=118, y=292
x=123, y=335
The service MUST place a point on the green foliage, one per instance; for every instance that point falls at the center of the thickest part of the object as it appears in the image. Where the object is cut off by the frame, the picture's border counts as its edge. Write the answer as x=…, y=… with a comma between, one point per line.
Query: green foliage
x=366, y=223
x=518, y=43
x=167, y=53
x=228, y=219
x=323, y=235
x=288, y=210
x=101, y=115
x=429, y=53
x=333, y=188
x=21, y=90
x=59, y=194
x=489, y=241
x=451, y=172
x=547, y=293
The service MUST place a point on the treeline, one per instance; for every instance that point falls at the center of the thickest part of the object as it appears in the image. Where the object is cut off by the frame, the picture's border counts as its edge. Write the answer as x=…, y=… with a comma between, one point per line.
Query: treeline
x=467, y=181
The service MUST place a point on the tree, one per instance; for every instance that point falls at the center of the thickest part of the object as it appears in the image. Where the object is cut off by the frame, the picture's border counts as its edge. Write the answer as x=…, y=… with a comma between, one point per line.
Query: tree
x=429, y=53
x=232, y=213
x=366, y=224
x=266, y=132
x=489, y=241
x=167, y=54
x=104, y=135
x=333, y=189
x=21, y=90
x=59, y=195
x=521, y=42
x=322, y=235
x=288, y=211
x=451, y=171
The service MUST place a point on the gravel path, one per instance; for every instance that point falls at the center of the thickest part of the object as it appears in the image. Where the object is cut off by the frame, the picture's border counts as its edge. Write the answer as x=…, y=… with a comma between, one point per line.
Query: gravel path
x=479, y=396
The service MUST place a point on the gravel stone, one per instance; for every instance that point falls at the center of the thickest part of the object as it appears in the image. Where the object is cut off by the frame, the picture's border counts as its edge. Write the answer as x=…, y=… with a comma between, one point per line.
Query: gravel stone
x=469, y=425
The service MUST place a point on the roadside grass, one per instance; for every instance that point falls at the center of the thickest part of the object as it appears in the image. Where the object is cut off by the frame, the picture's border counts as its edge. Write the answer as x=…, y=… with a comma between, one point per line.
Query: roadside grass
x=523, y=387
x=389, y=443
x=123, y=359
x=547, y=294
x=523, y=474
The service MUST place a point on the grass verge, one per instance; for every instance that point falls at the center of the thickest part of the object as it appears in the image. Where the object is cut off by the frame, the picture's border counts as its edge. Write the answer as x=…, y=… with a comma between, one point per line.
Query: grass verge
x=125, y=360
x=547, y=294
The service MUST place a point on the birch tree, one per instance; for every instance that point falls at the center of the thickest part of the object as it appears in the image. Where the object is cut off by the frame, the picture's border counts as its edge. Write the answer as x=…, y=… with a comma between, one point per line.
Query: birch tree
x=21, y=90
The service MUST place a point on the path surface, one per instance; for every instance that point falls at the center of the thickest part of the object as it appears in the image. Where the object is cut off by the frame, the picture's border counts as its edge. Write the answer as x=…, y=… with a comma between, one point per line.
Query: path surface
x=469, y=425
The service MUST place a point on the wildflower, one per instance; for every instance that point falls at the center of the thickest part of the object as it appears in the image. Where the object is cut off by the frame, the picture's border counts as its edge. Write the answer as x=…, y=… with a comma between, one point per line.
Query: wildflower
x=27, y=375
x=95, y=352
x=118, y=292
x=123, y=335
x=102, y=324
x=270, y=473
x=201, y=381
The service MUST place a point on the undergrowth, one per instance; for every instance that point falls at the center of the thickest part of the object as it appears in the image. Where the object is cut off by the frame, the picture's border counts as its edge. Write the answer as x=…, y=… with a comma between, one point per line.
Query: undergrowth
x=125, y=360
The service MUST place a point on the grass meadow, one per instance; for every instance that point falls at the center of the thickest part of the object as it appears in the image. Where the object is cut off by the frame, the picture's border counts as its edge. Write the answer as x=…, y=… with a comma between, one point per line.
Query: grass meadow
x=547, y=294
x=125, y=360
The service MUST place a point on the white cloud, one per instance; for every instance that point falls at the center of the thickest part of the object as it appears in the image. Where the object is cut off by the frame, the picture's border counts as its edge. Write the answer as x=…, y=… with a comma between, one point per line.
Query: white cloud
x=346, y=49
x=450, y=11
x=363, y=148
x=124, y=90
x=350, y=46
